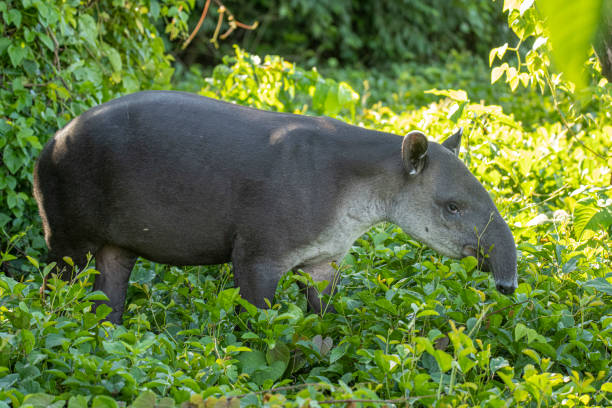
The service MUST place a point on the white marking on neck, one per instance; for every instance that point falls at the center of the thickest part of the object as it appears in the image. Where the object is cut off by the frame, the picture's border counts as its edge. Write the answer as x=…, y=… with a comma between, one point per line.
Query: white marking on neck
x=360, y=209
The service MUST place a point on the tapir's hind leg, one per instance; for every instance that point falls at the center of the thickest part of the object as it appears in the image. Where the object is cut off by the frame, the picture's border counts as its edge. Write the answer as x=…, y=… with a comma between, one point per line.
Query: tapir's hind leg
x=115, y=266
x=320, y=272
x=58, y=251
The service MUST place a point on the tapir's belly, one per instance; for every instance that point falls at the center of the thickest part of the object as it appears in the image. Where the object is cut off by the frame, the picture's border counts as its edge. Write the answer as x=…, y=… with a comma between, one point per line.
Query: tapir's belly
x=174, y=228
x=176, y=244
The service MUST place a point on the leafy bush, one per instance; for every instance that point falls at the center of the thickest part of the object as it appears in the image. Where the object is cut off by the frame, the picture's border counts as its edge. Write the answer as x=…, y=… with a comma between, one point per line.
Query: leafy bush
x=410, y=327
x=360, y=32
x=57, y=59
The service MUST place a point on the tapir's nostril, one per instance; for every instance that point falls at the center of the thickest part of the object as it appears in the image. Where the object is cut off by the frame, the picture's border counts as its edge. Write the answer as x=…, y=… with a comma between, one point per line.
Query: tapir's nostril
x=505, y=289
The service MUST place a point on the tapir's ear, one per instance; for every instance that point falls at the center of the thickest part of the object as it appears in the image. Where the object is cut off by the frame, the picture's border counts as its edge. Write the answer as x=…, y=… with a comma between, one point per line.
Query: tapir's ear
x=414, y=152
x=453, y=143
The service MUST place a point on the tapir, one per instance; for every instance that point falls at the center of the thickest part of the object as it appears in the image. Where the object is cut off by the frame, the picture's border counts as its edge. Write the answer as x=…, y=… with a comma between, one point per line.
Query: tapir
x=182, y=179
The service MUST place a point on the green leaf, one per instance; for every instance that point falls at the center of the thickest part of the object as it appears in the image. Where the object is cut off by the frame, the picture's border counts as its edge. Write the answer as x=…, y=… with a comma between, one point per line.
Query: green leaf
x=4, y=43
x=521, y=331
x=498, y=52
x=27, y=340
x=572, y=25
x=587, y=216
x=497, y=363
x=46, y=40
x=252, y=361
x=338, y=351
x=600, y=284
x=346, y=95
x=458, y=95
x=444, y=360
x=88, y=30
x=114, y=347
x=332, y=105
x=17, y=52
x=39, y=400
x=114, y=57
x=497, y=72
x=272, y=372
x=102, y=401
x=511, y=5
x=54, y=340
x=14, y=17
x=7, y=381
x=78, y=401
x=280, y=352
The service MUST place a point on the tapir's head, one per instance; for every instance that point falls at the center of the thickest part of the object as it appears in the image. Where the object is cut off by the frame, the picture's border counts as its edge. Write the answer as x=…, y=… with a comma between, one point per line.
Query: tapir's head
x=443, y=205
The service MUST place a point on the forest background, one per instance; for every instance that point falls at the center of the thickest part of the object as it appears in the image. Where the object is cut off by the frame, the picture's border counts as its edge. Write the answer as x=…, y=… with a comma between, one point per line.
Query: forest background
x=411, y=328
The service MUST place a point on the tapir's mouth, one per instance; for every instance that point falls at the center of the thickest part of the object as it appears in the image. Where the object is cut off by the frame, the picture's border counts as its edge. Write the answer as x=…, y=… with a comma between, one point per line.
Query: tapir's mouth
x=483, y=263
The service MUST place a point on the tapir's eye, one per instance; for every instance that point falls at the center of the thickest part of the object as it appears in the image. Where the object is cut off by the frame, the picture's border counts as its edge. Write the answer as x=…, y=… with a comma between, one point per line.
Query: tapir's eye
x=452, y=208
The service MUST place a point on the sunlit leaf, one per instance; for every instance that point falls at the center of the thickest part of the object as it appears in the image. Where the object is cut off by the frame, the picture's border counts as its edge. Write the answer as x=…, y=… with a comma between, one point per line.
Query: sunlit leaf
x=588, y=216
x=572, y=25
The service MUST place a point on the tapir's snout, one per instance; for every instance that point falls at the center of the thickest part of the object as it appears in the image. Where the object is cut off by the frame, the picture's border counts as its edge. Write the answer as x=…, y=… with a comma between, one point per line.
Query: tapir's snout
x=501, y=257
x=505, y=289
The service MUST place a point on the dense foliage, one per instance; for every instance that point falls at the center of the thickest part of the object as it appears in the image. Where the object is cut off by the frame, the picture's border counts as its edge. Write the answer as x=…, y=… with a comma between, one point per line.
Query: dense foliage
x=410, y=327
x=58, y=59
x=357, y=32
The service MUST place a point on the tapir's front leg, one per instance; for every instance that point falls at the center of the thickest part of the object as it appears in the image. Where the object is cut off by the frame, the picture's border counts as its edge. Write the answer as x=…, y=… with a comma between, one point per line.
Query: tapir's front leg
x=257, y=281
x=115, y=266
x=256, y=273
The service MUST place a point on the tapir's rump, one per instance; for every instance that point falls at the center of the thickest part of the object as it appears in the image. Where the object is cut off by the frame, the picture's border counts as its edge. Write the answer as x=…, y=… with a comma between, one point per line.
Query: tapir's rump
x=183, y=179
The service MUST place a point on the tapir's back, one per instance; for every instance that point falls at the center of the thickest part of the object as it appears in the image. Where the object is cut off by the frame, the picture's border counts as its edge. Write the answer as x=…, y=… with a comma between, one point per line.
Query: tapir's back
x=174, y=176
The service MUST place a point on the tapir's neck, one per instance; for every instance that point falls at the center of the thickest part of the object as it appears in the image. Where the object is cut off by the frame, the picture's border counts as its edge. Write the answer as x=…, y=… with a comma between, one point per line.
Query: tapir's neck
x=376, y=182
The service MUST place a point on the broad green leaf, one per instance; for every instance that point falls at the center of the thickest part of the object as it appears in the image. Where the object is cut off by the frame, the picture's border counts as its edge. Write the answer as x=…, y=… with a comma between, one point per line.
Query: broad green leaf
x=272, y=372
x=280, y=352
x=27, y=340
x=17, y=52
x=497, y=72
x=572, y=25
x=8, y=380
x=102, y=401
x=531, y=353
x=88, y=29
x=511, y=5
x=14, y=17
x=114, y=57
x=444, y=360
x=78, y=401
x=520, y=331
x=458, y=95
x=114, y=347
x=600, y=284
x=32, y=261
x=587, y=216
x=39, y=400
x=498, y=52
x=54, y=340
x=252, y=361
x=338, y=351
x=497, y=363
x=332, y=103
x=4, y=43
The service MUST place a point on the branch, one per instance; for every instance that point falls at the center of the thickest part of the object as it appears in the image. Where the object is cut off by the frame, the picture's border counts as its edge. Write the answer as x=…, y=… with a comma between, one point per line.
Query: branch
x=231, y=20
x=56, y=60
x=197, y=27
